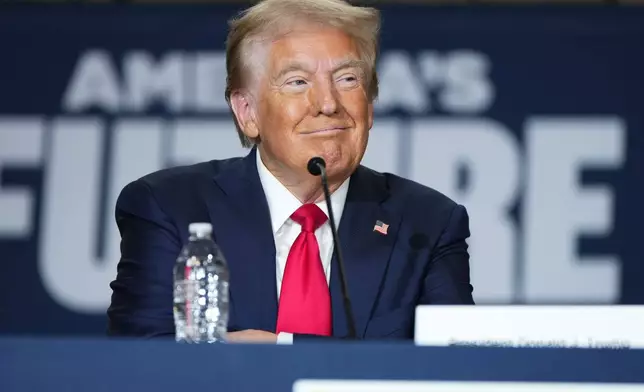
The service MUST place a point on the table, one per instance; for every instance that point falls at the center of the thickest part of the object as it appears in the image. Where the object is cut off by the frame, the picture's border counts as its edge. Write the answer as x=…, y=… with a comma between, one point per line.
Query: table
x=33, y=364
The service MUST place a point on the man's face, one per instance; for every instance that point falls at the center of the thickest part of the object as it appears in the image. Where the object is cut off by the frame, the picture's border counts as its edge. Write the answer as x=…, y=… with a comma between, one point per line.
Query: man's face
x=312, y=101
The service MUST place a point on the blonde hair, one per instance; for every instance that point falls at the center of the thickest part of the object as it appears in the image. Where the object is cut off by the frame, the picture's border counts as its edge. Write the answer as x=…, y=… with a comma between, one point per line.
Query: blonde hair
x=272, y=17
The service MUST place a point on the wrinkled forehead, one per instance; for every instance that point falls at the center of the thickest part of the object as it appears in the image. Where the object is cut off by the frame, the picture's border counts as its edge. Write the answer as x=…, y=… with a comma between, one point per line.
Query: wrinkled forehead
x=314, y=64
x=311, y=50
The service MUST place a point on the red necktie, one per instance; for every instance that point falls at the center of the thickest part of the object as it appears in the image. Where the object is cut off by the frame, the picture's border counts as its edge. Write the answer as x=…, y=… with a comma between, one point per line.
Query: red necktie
x=305, y=302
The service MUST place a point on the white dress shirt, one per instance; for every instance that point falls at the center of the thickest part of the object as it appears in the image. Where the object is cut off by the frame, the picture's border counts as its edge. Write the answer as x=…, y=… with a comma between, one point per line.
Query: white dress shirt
x=282, y=204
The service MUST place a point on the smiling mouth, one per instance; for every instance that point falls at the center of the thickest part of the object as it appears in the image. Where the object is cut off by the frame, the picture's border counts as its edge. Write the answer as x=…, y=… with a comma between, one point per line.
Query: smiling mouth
x=326, y=131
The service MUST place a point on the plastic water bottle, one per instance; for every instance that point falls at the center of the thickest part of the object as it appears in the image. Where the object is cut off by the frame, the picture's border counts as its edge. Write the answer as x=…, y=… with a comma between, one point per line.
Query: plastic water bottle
x=201, y=281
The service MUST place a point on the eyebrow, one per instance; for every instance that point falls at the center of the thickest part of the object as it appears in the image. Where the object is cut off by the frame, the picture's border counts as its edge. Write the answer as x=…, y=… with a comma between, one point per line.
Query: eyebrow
x=299, y=66
x=349, y=63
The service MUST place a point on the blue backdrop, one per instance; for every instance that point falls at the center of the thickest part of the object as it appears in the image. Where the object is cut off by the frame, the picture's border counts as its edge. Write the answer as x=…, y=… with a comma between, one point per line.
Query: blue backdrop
x=531, y=117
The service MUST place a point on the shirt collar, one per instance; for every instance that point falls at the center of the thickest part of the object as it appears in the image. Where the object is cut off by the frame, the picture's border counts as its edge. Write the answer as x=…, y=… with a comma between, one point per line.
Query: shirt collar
x=282, y=203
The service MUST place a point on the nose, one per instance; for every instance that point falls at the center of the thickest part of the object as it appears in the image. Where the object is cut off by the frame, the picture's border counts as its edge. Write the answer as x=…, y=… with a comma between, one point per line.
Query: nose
x=324, y=98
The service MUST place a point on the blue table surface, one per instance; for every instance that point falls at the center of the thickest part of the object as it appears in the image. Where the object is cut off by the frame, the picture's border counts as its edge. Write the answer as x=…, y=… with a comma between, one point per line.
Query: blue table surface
x=32, y=364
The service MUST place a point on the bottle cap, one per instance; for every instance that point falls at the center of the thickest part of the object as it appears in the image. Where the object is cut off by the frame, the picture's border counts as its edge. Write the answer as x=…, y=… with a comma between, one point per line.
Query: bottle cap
x=200, y=229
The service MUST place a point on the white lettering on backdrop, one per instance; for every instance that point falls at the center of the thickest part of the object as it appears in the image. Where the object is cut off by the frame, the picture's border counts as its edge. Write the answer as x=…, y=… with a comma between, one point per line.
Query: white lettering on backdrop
x=541, y=173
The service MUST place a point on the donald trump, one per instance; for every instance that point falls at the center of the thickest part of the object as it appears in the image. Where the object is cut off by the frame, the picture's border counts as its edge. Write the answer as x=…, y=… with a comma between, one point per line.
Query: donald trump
x=301, y=83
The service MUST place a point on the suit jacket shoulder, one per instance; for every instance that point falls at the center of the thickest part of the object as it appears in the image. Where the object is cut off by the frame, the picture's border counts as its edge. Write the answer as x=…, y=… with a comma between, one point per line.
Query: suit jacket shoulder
x=416, y=192
x=170, y=180
x=176, y=195
x=419, y=203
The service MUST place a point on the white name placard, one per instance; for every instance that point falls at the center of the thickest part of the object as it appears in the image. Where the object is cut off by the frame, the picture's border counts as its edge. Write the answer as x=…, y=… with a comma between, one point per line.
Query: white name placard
x=456, y=386
x=607, y=327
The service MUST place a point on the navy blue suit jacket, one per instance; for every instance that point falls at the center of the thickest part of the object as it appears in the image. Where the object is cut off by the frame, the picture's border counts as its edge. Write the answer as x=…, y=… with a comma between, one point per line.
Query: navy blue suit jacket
x=423, y=258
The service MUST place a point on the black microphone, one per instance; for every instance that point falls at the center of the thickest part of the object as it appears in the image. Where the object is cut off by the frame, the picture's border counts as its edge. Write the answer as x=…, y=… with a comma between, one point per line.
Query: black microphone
x=317, y=167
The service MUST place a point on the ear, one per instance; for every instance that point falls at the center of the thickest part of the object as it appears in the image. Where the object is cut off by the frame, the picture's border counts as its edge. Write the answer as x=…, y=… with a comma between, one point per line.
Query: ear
x=244, y=111
x=370, y=115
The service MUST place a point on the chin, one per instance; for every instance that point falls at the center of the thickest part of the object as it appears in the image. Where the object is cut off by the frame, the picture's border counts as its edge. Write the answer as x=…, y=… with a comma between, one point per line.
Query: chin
x=338, y=157
x=339, y=170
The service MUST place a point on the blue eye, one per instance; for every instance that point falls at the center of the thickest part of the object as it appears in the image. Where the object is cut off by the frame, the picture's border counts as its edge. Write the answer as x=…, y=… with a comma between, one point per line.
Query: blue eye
x=349, y=80
x=297, y=82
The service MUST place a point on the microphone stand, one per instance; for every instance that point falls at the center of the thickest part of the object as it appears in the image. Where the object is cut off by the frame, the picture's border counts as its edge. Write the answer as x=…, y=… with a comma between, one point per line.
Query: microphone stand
x=317, y=167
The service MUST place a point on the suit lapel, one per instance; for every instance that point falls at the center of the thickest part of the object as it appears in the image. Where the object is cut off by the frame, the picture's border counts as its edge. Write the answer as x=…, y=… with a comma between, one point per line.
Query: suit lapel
x=366, y=252
x=242, y=228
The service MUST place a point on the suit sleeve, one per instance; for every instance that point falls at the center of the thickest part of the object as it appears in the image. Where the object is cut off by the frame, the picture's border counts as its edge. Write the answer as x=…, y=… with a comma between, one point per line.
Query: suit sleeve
x=447, y=281
x=141, y=304
x=305, y=338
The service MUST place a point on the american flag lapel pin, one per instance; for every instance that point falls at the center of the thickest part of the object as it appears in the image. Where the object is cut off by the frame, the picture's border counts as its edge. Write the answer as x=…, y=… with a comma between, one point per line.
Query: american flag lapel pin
x=381, y=227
